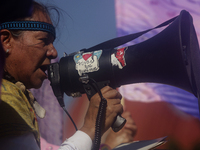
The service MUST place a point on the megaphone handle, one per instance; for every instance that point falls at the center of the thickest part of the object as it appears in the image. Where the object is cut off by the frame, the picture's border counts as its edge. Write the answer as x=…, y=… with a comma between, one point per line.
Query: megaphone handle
x=90, y=90
x=118, y=123
x=92, y=87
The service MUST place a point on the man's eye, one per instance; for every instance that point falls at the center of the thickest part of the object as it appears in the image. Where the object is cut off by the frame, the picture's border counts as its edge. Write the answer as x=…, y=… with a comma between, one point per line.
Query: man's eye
x=45, y=41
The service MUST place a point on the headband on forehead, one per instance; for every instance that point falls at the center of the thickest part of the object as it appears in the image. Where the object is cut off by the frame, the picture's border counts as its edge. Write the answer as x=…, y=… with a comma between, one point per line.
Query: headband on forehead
x=29, y=25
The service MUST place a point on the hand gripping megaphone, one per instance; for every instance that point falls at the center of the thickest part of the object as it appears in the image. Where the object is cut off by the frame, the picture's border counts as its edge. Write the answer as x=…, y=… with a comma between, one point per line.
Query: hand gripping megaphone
x=171, y=57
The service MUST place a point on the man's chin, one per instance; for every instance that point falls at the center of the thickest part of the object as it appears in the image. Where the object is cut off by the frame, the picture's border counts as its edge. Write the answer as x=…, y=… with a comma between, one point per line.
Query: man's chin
x=35, y=85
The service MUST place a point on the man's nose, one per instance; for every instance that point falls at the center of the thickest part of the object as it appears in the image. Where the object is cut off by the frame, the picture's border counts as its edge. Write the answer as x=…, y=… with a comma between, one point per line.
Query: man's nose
x=52, y=52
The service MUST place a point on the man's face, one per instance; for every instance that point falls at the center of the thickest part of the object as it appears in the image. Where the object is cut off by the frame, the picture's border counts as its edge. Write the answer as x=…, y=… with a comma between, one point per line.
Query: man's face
x=31, y=53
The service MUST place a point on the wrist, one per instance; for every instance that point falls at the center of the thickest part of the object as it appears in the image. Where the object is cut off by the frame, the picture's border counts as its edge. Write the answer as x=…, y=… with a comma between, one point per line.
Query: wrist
x=89, y=131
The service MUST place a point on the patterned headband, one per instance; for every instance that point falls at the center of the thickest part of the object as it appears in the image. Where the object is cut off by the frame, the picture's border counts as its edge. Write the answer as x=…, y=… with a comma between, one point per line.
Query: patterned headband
x=29, y=25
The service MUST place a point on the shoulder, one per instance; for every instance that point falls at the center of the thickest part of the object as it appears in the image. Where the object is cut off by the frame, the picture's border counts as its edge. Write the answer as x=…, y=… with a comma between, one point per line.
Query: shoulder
x=10, y=88
x=15, y=105
x=13, y=100
x=9, y=91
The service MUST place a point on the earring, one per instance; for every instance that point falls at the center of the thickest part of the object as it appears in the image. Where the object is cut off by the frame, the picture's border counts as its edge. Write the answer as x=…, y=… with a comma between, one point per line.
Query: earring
x=7, y=51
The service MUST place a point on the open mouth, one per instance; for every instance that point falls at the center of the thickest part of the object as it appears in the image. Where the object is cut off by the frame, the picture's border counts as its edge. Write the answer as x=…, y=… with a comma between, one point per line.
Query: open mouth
x=44, y=68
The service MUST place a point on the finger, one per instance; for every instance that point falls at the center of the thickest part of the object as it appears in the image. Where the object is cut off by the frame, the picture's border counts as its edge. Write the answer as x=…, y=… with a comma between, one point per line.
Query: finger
x=113, y=101
x=110, y=92
x=106, y=89
x=131, y=129
x=130, y=125
x=128, y=131
x=126, y=114
x=114, y=110
x=128, y=117
x=129, y=120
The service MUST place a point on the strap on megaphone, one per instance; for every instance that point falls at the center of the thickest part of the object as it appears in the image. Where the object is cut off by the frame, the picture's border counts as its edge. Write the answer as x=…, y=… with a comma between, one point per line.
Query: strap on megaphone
x=113, y=43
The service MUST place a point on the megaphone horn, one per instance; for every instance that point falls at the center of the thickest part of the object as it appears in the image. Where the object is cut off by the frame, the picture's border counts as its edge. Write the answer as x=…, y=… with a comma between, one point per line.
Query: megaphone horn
x=171, y=57
x=165, y=58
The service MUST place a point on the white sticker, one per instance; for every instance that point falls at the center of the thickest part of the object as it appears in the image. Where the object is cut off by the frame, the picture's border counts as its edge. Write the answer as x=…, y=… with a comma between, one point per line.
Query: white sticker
x=87, y=62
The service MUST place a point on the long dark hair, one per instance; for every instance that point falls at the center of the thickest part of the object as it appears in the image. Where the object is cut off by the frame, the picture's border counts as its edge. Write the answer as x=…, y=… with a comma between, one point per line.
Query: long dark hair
x=12, y=9
x=36, y=7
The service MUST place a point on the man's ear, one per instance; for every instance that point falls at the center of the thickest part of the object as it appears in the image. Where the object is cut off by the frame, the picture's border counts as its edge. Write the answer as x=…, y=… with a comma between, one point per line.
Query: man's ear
x=5, y=39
